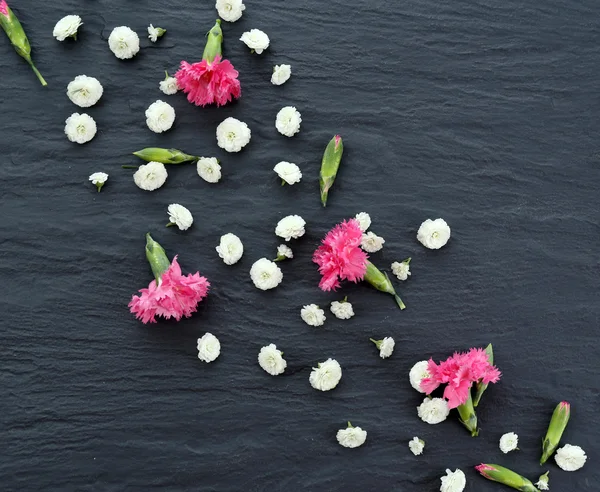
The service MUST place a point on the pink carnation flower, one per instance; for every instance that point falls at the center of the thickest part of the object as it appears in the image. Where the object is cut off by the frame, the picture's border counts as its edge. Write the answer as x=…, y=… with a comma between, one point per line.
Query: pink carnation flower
x=339, y=257
x=3, y=8
x=209, y=82
x=175, y=296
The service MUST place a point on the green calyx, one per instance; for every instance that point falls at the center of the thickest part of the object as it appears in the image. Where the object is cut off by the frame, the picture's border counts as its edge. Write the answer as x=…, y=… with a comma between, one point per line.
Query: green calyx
x=382, y=283
x=480, y=387
x=329, y=166
x=214, y=41
x=157, y=257
x=468, y=417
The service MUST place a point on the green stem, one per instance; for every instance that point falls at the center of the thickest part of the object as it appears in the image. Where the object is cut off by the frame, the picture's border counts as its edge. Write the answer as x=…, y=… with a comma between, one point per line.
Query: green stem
x=36, y=71
x=130, y=167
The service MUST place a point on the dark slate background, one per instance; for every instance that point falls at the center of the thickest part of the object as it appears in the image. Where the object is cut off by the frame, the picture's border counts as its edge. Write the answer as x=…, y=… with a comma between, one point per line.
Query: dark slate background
x=480, y=112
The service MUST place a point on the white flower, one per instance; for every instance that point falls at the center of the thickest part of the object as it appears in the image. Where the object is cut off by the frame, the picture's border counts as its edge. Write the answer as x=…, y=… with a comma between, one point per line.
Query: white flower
x=230, y=248
x=160, y=116
x=80, y=128
x=233, y=135
x=385, y=346
x=281, y=74
x=67, y=27
x=401, y=270
x=288, y=121
x=209, y=347
x=180, y=216
x=570, y=458
x=542, y=483
x=265, y=274
x=416, y=445
x=417, y=374
x=256, y=40
x=283, y=252
x=433, y=234
x=290, y=227
x=84, y=91
x=454, y=481
x=271, y=360
x=150, y=176
x=230, y=10
x=433, y=410
x=371, y=242
x=364, y=220
x=169, y=86
x=351, y=437
x=342, y=310
x=509, y=442
x=155, y=32
x=124, y=42
x=289, y=172
x=313, y=315
x=99, y=179
x=326, y=375
x=209, y=169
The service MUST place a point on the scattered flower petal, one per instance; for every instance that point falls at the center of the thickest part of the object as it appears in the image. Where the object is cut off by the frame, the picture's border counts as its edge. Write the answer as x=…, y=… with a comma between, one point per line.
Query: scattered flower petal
x=284, y=252
x=67, y=27
x=180, y=216
x=371, y=242
x=364, y=221
x=281, y=74
x=416, y=445
x=433, y=410
x=209, y=169
x=342, y=310
x=169, y=85
x=99, y=179
x=288, y=172
x=290, y=227
x=256, y=40
x=155, y=32
x=401, y=270
x=542, y=483
x=454, y=481
x=385, y=346
x=509, y=442
x=351, y=437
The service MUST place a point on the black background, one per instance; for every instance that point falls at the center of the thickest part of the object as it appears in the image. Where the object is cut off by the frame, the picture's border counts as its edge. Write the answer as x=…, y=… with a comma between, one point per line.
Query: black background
x=480, y=112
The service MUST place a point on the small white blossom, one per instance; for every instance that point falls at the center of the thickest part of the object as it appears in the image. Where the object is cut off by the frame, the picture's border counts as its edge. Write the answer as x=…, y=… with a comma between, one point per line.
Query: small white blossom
x=271, y=360
x=570, y=458
x=433, y=234
x=169, y=86
x=281, y=74
x=288, y=121
x=313, y=315
x=417, y=374
x=233, y=135
x=454, y=481
x=124, y=42
x=151, y=176
x=67, y=27
x=155, y=32
x=265, y=274
x=509, y=442
x=364, y=220
x=288, y=172
x=230, y=248
x=160, y=116
x=209, y=347
x=433, y=410
x=351, y=437
x=284, y=252
x=80, y=128
x=416, y=445
x=209, y=169
x=542, y=483
x=180, y=216
x=230, y=10
x=371, y=242
x=84, y=91
x=99, y=179
x=256, y=40
x=342, y=310
x=385, y=346
x=290, y=227
x=326, y=375
x=401, y=270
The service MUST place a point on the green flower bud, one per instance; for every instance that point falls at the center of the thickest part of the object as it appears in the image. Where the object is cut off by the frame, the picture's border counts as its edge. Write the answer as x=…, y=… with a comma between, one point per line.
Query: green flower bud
x=165, y=156
x=381, y=282
x=468, y=417
x=480, y=387
x=499, y=474
x=213, y=42
x=558, y=424
x=159, y=262
x=330, y=165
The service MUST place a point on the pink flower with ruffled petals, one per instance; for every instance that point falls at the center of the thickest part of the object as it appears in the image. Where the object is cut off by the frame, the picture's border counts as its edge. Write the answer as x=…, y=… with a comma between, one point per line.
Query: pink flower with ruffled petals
x=3, y=8
x=209, y=82
x=483, y=468
x=340, y=257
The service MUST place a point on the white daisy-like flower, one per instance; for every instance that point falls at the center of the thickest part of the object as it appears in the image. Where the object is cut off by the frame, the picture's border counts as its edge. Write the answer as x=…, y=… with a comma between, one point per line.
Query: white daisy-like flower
x=284, y=252
x=160, y=116
x=290, y=227
x=256, y=40
x=364, y=220
x=416, y=446
x=155, y=32
x=385, y=346
x=67, y=27
x=281, y=74
x=288, y=121
x=124, y=42
x=209, y=169
x=209, y=347
x=233, y=135
x=509, y=442
x=326, y=375
x=313, y=315
x=542, y=482
x=151, y=176
x=401, y=270
x=180, y=216
x=84, y=91
x=265, y=274
x=290, y=173
x=570, y=458
x=433, y=234
x=99, y=179
x=230, y=10
x=433, y=410
x=169, y=85
x=230, y=248
x=454, y=481
x=342, y=310
x=271, y=360
x=80, y=128
x=417, y=374
x=371, y=242
x=351, y=437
